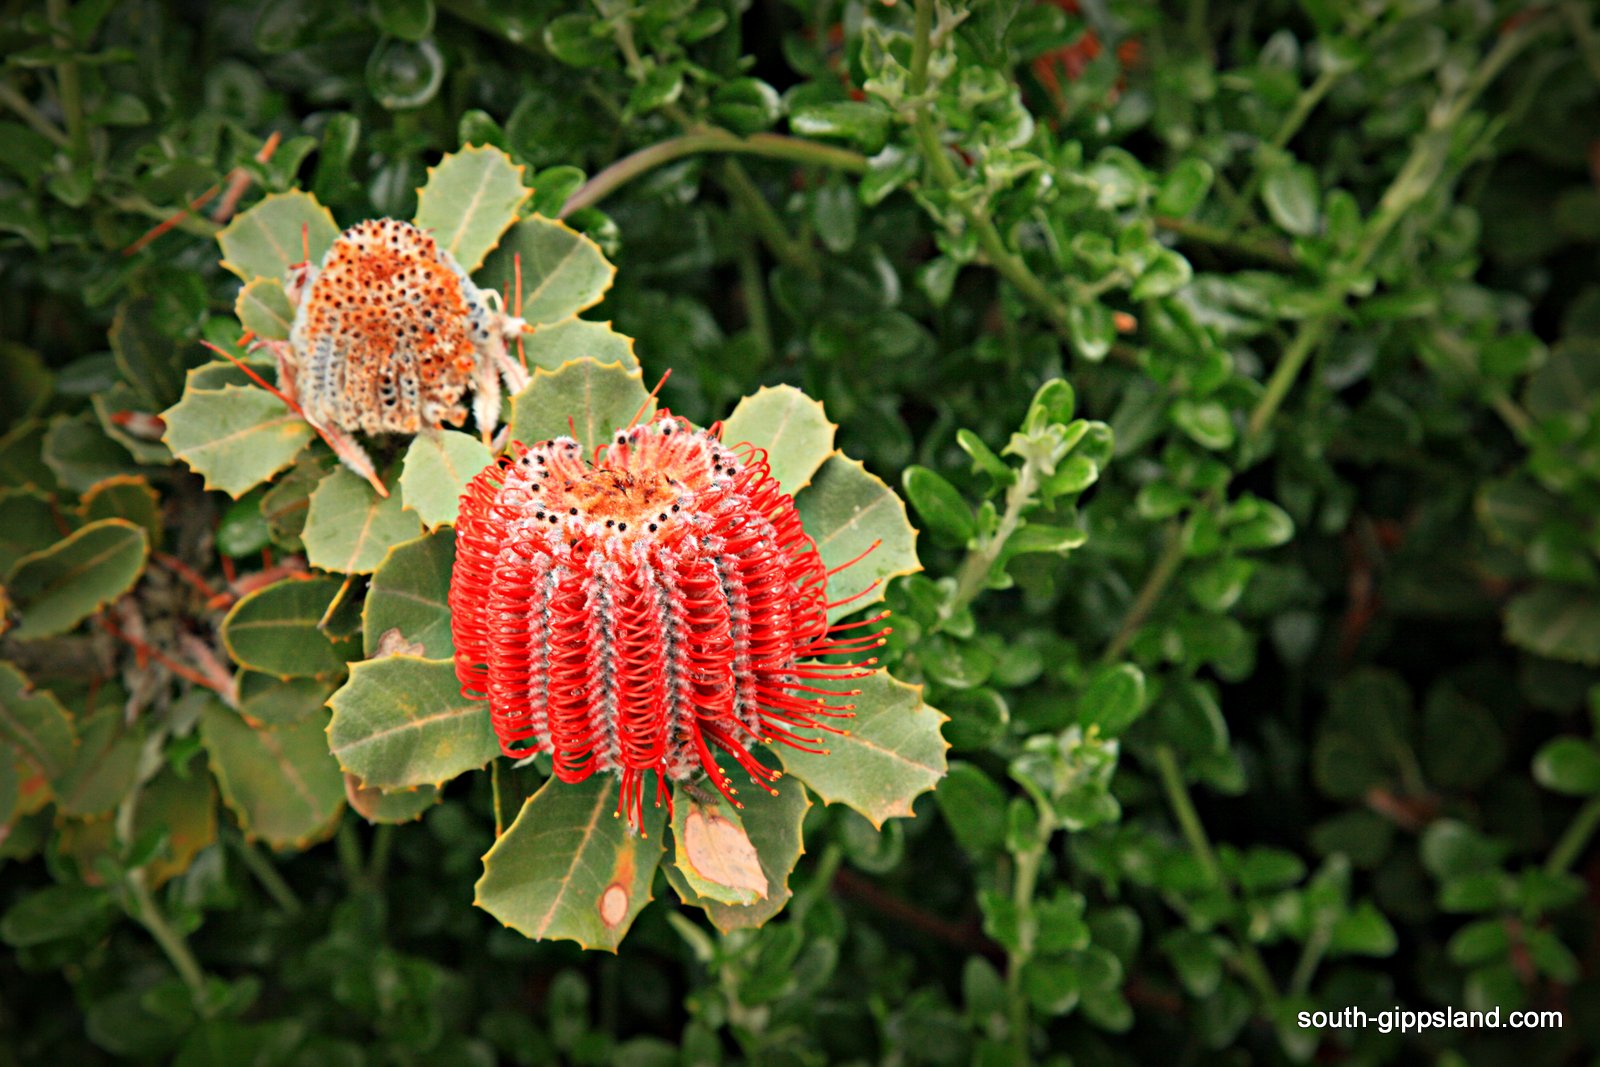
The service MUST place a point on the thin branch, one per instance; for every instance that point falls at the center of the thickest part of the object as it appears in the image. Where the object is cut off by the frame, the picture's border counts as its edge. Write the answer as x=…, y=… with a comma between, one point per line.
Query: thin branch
x=1575, y=839
x=705, y=141
x=1251, y=964
x=32, y=116
x=265, y=873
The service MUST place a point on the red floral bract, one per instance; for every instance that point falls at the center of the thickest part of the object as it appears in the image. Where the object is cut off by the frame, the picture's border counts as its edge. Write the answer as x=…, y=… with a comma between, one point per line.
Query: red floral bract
x=632, y=613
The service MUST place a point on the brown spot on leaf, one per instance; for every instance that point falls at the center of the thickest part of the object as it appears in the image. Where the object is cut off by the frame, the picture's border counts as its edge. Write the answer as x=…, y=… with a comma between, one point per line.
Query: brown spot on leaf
x=720, y=852
x=393, y=643
x=613, y=905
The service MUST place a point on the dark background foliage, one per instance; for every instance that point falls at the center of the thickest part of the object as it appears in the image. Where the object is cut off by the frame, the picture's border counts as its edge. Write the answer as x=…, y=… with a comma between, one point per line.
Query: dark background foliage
x=1306, y=722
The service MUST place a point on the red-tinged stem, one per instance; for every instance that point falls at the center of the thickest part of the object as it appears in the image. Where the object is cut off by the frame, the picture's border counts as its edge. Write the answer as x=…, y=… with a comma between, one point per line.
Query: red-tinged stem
x=148, y=652
x=253, y=376
x=187, y=573
x=237, y=181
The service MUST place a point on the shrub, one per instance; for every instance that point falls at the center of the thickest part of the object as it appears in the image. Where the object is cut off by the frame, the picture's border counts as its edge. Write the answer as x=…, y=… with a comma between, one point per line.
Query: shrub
x=1238, y=365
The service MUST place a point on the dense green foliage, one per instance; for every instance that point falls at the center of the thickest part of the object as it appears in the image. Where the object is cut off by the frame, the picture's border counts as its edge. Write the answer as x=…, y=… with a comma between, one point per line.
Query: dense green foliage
x=1240, y=363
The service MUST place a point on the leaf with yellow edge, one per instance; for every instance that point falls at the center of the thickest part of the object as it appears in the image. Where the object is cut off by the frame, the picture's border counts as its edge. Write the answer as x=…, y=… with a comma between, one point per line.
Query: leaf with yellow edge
x=712, y=850
x=275, y=630
x=401, y=721
x=568, y=867
x=845, y=509
x=34, y=723
x=598, y=398
x=124, y=496
x=279, y=780
x=184, y=808
x=377, y=806
x=274, y=235
x=236, y=437
x=437, y=467
x=772, y=823
x=410, y=594
x=263, y=308
x=105, y=763
x=56, y=588
x=892, y=753
x=350, y=527
x=555, y=343
x=563, y=272
x=30, y=525
x=792, y=428
x=470, y=199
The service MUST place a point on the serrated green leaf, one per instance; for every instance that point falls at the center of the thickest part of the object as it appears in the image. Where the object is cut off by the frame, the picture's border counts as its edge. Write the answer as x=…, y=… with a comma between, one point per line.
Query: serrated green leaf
x=598, y=398
x=263, y=308
x=437, y=467
x=555, y=343
x=791, y=426
x=377, y=806
x=279, y=780
x=125, y=496
x=269, y=238
x=470, y=199
x=350, y=527
x=234, y=437
x=410, y=592
x=56, y=588
x=892, y=753
x=846, y=509
x=563, y=272
x=712, y=851
x=33, y=722
x=274, y=630
x=401, y=721
x=772, y=823
x=568, y=868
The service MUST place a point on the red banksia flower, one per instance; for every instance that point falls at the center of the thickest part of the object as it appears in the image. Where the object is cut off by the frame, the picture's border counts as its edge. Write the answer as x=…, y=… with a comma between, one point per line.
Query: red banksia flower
x=637, y=612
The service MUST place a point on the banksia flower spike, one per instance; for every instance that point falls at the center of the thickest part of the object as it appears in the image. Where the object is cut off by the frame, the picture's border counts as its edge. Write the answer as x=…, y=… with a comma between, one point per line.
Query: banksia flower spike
x=634, y=613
